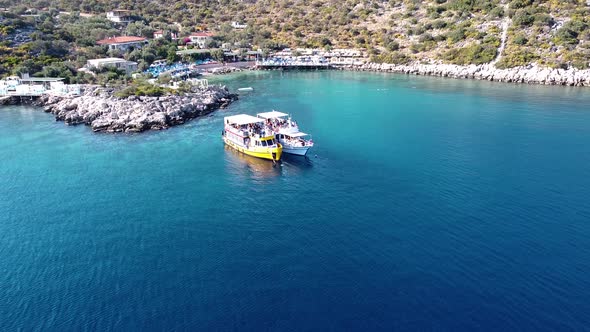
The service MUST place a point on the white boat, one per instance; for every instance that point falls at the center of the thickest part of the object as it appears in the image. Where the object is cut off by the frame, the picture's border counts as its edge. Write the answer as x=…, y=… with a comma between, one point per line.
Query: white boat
x=294, y=142
x=246, y=89
x=287, y=132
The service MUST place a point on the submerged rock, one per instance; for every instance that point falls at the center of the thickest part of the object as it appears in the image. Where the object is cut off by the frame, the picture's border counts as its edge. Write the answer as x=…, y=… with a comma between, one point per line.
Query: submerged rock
x=102, y=111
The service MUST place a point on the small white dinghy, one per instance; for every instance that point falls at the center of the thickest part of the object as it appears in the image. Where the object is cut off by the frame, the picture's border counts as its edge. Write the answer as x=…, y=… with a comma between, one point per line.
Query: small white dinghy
x=246, y=89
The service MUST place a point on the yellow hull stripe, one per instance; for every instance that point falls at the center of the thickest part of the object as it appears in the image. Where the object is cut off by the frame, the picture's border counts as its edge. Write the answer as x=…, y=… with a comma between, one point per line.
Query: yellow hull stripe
x=259, y=152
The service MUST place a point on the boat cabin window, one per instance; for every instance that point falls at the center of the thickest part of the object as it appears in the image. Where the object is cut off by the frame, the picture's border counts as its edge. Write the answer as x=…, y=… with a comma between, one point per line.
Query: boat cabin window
x=263, y=143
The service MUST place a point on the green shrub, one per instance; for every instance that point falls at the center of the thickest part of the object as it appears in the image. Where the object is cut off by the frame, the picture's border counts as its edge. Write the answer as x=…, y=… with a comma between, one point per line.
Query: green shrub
x=435, y=9
x=473, y=54
x=516, y=4
x=542, y=19
x=392, y=46
x=513, y=57
x=578, y=59
x=492, y=41
x=456, y=35
x=497, y=12
x=425, y=38
x=439, y=24
x=393, y=57
x=520, y=39
x=523, y=18
x=141, y=87
x=568, y=34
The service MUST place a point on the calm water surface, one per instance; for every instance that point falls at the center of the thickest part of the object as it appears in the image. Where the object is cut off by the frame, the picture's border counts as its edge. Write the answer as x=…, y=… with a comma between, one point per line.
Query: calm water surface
x=427, y=204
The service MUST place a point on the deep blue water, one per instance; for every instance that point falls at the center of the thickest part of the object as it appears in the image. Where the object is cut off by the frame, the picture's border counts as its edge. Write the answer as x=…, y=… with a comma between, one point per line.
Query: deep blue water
x=427, y=204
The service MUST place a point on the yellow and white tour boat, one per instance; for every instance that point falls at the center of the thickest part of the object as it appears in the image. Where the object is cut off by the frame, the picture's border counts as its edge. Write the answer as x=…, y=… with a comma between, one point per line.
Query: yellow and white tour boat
x=249, y=135
x=287, y=133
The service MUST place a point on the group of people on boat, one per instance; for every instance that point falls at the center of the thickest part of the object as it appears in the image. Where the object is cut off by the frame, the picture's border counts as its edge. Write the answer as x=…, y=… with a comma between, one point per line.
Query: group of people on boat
x=251, y=129
x=295, y=141
x=278, y=124
x=286, y=131
x=250, y=135
x=265, y=136
x=258, y=129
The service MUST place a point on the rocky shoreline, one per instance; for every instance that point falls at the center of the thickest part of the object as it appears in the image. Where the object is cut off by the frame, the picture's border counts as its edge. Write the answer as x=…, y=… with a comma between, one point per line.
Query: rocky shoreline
x=531, y=74
x=101, y=110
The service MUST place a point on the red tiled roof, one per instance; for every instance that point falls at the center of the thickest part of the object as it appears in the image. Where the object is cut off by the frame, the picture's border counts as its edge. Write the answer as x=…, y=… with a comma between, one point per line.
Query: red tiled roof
x=202, y=34
x=120, y=40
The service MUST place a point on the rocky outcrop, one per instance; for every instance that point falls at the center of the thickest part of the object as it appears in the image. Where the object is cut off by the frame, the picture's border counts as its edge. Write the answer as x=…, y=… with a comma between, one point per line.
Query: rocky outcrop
x=224, y=70
x=8, y=100
x=102, y=111
x=529, y=74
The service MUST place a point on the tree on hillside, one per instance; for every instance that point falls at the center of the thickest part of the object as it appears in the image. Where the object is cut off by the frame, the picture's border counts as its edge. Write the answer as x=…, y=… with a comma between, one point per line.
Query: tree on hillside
x=217, y=54
x=139, y=29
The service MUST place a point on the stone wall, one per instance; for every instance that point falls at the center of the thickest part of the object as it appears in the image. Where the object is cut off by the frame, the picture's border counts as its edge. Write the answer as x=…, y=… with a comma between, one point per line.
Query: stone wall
x=530, y=74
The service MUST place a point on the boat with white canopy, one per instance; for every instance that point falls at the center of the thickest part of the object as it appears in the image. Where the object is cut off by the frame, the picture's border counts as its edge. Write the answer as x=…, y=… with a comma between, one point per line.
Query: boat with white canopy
x=294, y=142
x=287, y=132
x=248, y=134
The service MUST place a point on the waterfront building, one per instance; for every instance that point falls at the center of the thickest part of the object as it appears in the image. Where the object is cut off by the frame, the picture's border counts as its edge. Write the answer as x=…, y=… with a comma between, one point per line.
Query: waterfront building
x=123, y=43
x=293, y=62
x=127, y=66
x=344, y=56
x=35, y=86
x=253, y=55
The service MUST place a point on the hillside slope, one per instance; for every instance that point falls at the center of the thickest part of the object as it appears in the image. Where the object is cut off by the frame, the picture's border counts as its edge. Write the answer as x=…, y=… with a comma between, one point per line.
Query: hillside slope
x=554, y=33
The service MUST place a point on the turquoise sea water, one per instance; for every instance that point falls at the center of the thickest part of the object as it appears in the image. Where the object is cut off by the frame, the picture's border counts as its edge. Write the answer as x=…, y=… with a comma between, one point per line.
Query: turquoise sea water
x=427, y=204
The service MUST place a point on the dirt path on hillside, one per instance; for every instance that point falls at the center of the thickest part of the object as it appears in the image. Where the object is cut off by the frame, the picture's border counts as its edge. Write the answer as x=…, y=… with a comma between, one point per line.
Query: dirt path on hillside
x=505, y=25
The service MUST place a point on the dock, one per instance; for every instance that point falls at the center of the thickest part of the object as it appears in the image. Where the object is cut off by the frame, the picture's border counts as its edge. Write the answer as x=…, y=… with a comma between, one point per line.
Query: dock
x=29, y=87
x=294, y=63
x=21, y=93
x=294, y=66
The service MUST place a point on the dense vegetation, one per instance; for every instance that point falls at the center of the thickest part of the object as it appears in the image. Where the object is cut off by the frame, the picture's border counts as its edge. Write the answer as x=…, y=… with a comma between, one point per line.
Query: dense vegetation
x=554, y=33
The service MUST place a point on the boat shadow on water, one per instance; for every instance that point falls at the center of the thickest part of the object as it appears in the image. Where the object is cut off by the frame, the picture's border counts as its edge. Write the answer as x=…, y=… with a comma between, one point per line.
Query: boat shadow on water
x=301, y=162
x=246, y=165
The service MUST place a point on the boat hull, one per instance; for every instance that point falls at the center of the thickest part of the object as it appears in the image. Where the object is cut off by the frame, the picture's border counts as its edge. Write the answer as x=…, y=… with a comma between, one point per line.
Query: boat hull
x=258, y=152
x=296, y=150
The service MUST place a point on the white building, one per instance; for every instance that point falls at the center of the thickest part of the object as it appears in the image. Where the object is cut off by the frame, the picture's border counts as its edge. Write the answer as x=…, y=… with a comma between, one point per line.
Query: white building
x=201, y=38
x=238, y=25
x=120, y=16
x=161, y=34
x=158, y=34
x=123, y=43
x=127, y=66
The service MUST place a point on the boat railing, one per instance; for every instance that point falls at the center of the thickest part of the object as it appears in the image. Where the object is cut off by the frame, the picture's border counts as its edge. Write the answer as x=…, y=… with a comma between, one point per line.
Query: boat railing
x=298, y=142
